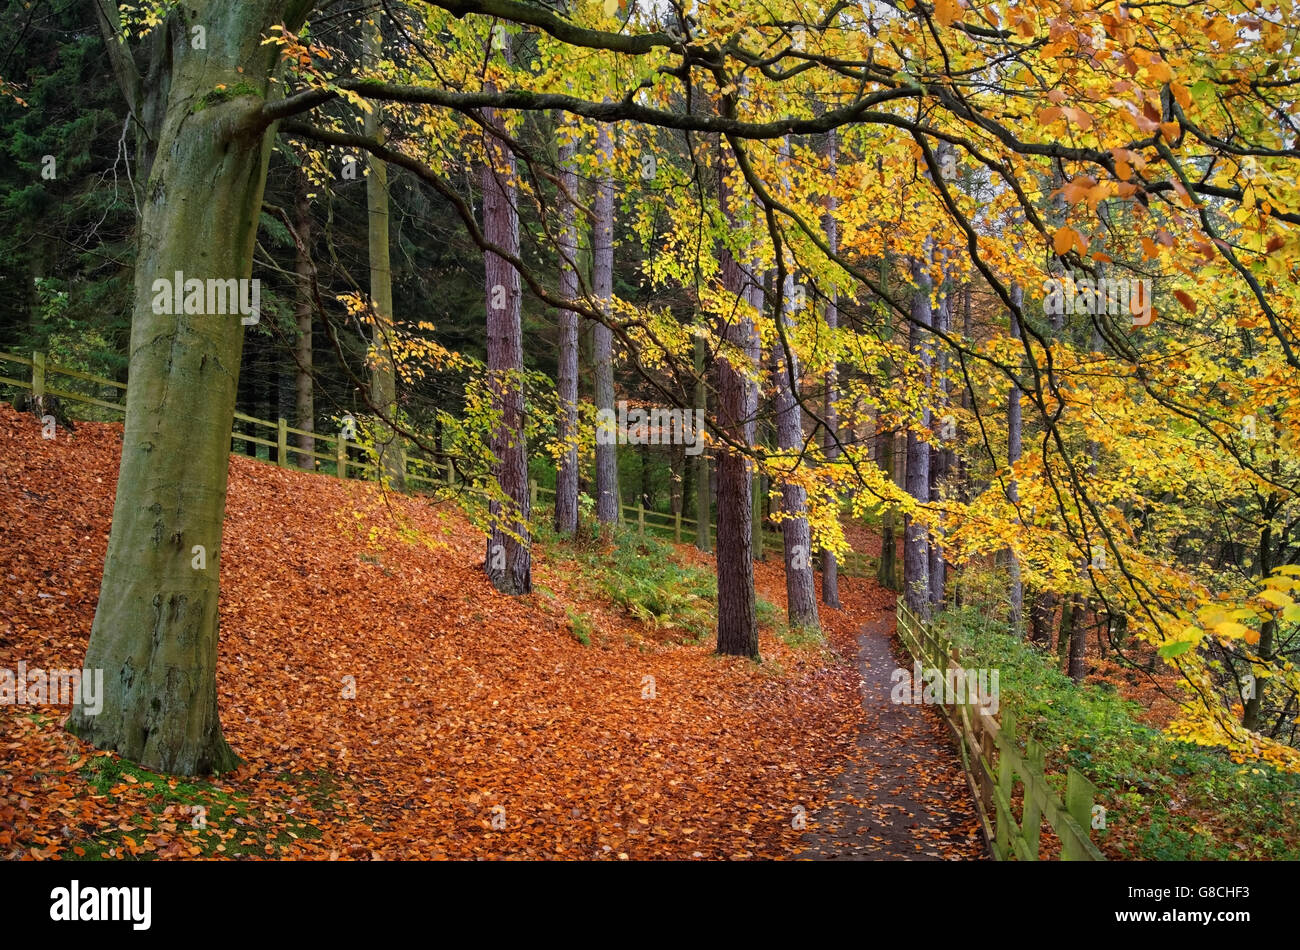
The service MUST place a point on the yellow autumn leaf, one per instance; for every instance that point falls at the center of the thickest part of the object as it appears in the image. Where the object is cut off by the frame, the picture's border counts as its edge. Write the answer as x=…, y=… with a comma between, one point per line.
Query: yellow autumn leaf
x=946, y=11
x=1274, y=597
x=1230, y=628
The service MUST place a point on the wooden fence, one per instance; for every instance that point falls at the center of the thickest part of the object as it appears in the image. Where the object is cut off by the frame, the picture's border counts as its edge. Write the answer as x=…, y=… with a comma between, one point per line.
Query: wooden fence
x=994, y=765
x=421, y=473
x=273, y=435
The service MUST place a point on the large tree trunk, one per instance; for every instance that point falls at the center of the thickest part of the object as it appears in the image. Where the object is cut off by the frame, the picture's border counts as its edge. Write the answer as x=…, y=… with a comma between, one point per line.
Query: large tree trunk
x=509, y=561
x=830, y=444
x=737, y=403
x=383, y=382
x=916, y=566
x=566, y=478
x=155, y=629
x=602, y=243
x=304, y=270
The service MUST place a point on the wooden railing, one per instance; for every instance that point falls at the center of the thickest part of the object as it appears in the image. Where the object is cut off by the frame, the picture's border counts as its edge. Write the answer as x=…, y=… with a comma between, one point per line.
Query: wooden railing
x=419, y=472
x=994, y=765
x=675, y=526
x=274, y=435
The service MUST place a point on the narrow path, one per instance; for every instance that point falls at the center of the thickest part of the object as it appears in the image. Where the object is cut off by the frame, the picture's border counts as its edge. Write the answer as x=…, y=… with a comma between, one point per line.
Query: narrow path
x=905, y=797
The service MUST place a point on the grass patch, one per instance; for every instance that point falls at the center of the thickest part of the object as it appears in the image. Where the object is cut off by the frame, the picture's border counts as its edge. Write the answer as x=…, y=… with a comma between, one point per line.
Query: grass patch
x=193, y=813
x=580, y=626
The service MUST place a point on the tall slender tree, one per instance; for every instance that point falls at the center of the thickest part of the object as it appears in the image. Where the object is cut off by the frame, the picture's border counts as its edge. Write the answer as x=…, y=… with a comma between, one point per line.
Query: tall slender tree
x=916, y=556
x=509, y=560
x=608, y=503
x=304, y=271
x=1016, y=589
x=830, y=435
x=737, y=402
x=383, y=373
x=566, y=477
x=800, y=585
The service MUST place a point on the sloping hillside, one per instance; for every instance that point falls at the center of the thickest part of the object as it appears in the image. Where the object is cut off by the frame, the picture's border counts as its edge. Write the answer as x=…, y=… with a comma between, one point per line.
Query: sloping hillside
x=480, y=725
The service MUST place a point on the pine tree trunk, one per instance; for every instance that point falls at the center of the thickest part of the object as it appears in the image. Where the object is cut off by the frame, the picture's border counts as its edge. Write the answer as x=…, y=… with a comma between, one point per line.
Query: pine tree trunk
x=830, y=445
x=1063, y=632
x=602, y=242
x=566, y=477
x=703, y=501
x=1040, y=618
x=737, y=402
x=155, y=631
x=939, y=460
x=509, y=561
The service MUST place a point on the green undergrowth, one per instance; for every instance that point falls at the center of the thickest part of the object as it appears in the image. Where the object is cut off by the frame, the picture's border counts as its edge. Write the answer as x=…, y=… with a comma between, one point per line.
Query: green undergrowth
x=215, y=820
x=1164, y=799
x=643, y=575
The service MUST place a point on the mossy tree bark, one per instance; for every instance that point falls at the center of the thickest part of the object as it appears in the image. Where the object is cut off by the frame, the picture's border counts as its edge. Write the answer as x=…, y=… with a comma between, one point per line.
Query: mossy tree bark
x=304, y=270
x=383, y=373
x=155, y=628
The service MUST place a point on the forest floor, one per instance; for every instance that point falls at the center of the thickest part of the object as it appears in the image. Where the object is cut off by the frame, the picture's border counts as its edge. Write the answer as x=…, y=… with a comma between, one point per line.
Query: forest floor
x=480, y=725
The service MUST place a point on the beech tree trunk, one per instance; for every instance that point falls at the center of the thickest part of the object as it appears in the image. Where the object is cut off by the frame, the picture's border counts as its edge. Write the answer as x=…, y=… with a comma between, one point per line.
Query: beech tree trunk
x=383, y=383
x=800, y=585
x=566, y=477
x=887, y=568
x=304, y=270
x=155, y=630
x=509, y=561
x=602, y=243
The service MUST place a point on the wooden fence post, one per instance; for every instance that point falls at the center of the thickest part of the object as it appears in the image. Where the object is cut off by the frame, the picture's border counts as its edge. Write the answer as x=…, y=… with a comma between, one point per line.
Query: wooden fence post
x=341, y=454
x=282, y=442
x=640, y=518
x=38, y=375
x=1031, y=822
x=677, y=526
x=532, y=495
x=1079, y=793
x=1006, y=779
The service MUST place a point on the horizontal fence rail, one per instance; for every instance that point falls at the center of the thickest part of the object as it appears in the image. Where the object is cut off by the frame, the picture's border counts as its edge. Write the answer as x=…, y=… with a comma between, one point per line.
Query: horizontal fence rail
x=994, y=765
